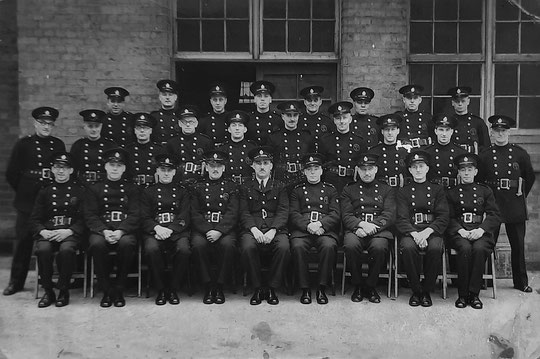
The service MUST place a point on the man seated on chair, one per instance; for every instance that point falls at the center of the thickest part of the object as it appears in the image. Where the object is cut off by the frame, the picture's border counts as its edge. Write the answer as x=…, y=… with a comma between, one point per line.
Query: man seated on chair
x=264, y=212
x=422, y=218
x=314, y=222
x=57, y=224
x=474, y=218
x=165, y=222
x=111, y=211
x=368, y=211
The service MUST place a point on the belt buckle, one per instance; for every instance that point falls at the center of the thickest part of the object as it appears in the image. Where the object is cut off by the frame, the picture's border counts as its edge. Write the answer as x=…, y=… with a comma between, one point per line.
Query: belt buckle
x=214, y=217
x=392, y=181
x=415, y=142
x=165, y=217
x=465, y=146
x=418, y=218
x=368, y=217
x=91, y=176
x=292, y=167
x=264, y=214
x=46, y=173
x=141, y=179
x=342, y=171
x=58, y=220
x=445, y=181
x=190, y=167
x=504, y=183
x=467, y=217
x=116, y=216
x=237, y=179
x=314, y=216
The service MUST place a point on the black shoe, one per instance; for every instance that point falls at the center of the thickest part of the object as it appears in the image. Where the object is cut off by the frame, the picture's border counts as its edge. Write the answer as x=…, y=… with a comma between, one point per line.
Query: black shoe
x=219, y=297
x=257, y=297
x=372, y=295
x=525, y=289
x=119, y=300
x=321, y=297
x=414, y=300
x=208, y=296
x=48, y=298
x=106, y=301
x=426, y=301
x=461, y=302
x=272, y=297
x=305, y=298
x=174, y=299
x=357, y=295
x=475, y=302
x=12, y=289
x=161, y=298
x=63, y=298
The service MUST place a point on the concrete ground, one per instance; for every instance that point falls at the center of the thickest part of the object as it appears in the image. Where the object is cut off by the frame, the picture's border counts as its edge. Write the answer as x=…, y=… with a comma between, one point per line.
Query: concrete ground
x=508, y=327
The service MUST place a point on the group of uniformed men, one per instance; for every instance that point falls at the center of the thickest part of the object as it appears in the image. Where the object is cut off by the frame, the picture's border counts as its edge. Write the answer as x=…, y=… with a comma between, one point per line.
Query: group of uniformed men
x=203, y=188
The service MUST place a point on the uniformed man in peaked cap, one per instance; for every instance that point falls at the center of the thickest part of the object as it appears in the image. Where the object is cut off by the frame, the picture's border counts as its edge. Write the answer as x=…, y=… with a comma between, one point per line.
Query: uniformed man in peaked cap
x=417, y=127
x=117, y=124
x=166, y=117
x=214, y=124
x=316, y=122
x=362, y=122
x=263, y=120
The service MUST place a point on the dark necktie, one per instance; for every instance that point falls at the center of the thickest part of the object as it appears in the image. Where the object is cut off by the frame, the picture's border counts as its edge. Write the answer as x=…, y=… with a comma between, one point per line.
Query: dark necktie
x=261, y=186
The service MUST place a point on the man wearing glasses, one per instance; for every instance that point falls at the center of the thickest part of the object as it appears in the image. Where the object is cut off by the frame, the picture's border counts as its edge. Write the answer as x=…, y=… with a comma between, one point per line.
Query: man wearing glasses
x=29, y=170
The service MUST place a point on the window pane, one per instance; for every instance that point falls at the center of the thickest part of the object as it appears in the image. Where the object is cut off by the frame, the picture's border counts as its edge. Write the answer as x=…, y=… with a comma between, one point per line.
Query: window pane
x=420, y=41
x=421, y=10
x=285, y=86
x=441, y=105
x=188, y=35
x=530, y=80
x=506, y=106
x=470, y=10
x=274, y=35
x=446, y=9
x=323, y=36
x=317, y=79
x=506, y=79
x=238, y=8
x=299, y=36
x=274, y=9
x=529, y=110
x=530, y=38
x=446, y=38
x=324, y=9
x=506, y=38
x=299, y=9
x=188, y=8
x=238, y=35
x=470, y=38
x=444, y=78
x=213, y=8
x=474, y=105
x=506, y=11
x=212, y=35
x=426, y=104
x=421, y=75
x=470, y=75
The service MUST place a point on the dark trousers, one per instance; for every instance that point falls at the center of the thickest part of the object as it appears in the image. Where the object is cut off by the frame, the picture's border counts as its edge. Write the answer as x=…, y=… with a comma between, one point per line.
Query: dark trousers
x=326, y=248
x=176, y=247
x=23, y=250
x=222, y=253
x=470, y=262
x=65, y=261
x=412, y=262
x=516, y=237
x=99, y=249
x=377, y=248
x=251, y=251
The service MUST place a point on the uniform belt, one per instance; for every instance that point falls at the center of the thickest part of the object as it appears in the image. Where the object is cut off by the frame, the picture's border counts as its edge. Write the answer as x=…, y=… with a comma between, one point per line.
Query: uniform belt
x=214, y=217
x=471, y=218
x=504, y=183
x=114, y=216
x=293, y=167
x=190, y=167
x=239, y=179
x=468, y=148
x=57, y=221
x=42, y=173
x=315, y=216
x=368, y=217
x=426, y=218
x=416, y=142
x=392, y=181
x=445, y=181
x=264, y=213
x=144, y=179
x=165, y=217
x=92, y=176
x=342, y=171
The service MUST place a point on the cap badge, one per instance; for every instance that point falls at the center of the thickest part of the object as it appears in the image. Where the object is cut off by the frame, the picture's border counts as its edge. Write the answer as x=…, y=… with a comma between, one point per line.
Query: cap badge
x=117, y=155
x=339, y=108
x=311, y=158
x=117, y=93
x=458, y=91
x=363, y=93
x=93, y=114
x=416, y=157
x=167, y=161
x=215, y=156
x=291, y=107
x=262, y=87
x=143, y=117
x=261, y=152
x=237, y=115
x=365, y=159
x=63, y=157
x=412, y=89
x=217, y=88
x=47, y=113
x=465, y=159
x=311, y=91
x=500, y=120
x=167, y=85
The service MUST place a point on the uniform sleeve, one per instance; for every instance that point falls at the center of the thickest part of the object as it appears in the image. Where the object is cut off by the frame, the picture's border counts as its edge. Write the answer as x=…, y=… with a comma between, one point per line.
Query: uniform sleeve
x=331, y=220
x=296, y=219
x=350, y=221
x=230, y=217
x=35, y=222
x=91, y=211
x=492, y=220
x=403, y=219
x=75, y=152
x=14, y=167
x=440, y=223
x=182, y=220
x=454, y=225
x=246, y=219
x=527, y=173
x=131, y=223
x=388, y=215
x=78, y=226
x=147, y=215
x=282, y=211
x=199, y=223
x=484, y=140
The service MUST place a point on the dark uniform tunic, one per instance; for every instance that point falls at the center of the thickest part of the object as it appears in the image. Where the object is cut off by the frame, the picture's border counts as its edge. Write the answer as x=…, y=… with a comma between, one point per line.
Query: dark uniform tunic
x=341, y=151
x=142, y=166
x=112, y=205
x=88, y=159
x=289, y=147
x=28, y=170
x=265, y=209
x=471, y=133
x=118, y=128
x=214, y=126
x=261, y=125
x=239, y=167
x=215, y=206
x=442, y=170
x=366, y=126
x=501, y=167
x=311, y=203
x=416, y=129
x=166, y=205
x=189, y=150
x=166, y=127
x=317, y=124
x=373, y=202
x=392, y=168
x=58, y=206
x=421, y=205
x=468, y=203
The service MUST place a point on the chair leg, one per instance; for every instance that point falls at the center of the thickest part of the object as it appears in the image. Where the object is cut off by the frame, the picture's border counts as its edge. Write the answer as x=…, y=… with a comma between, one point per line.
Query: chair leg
x=85, y=271
x=37, y=278
x=396, y=271
x=444, y=279
x=139, y=272
x=493, y=275
x=390, y=263
x=244, y=286
x=343, y=274
x=92, y=277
